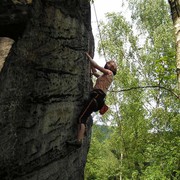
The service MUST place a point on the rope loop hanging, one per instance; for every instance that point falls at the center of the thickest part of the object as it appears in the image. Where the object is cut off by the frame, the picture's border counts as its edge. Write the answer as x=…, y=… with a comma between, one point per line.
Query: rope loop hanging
x=99, y=30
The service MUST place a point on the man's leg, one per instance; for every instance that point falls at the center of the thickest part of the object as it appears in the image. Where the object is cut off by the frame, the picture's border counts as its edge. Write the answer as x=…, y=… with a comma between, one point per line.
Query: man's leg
x=81, y=132
x=85, y=113
x=78, y=142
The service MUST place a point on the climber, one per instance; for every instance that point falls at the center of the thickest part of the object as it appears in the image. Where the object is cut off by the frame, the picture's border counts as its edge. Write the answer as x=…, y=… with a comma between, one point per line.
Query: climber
x=97, y=96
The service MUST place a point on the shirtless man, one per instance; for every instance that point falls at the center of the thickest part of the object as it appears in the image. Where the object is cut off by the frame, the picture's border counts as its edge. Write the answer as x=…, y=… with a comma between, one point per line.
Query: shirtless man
x=97, y=95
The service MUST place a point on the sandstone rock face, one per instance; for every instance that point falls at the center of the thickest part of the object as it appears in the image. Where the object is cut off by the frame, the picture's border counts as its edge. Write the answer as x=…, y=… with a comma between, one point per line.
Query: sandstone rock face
x=5, y=46
x=43, y=84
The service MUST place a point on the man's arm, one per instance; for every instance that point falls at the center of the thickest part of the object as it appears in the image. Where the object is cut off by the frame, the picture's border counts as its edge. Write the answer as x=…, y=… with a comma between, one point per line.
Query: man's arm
x=96, y=66
x=94, y=72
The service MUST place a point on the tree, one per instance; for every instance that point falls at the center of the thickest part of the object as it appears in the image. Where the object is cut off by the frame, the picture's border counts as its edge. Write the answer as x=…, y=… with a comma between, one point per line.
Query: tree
x=43, y=84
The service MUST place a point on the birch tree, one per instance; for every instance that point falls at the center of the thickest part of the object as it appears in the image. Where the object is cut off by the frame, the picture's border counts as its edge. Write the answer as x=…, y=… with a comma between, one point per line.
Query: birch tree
x=175, y=13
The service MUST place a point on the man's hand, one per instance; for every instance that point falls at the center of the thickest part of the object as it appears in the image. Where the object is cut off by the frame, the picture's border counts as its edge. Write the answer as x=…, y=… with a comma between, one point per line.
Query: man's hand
x=88, y=55
x=96, y=66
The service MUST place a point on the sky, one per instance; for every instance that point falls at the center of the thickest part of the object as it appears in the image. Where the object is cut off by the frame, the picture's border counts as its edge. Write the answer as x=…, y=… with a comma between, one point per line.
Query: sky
x=102, y=7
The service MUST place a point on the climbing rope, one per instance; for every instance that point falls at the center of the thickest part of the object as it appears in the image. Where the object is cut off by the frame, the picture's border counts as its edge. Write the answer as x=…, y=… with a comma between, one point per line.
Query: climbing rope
x=99, y=30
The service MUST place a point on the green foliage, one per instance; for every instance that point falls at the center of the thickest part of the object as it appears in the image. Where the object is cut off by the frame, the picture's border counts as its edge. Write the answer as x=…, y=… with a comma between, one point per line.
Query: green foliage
x=143, y=139
x=97, y=167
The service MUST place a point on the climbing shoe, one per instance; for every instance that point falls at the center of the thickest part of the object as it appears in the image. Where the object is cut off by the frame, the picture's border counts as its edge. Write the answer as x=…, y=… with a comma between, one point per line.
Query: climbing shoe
x=76, y=143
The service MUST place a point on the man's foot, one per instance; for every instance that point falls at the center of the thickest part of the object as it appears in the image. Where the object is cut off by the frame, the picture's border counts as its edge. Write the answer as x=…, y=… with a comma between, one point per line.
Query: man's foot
x=76, y=143
x=86, y=130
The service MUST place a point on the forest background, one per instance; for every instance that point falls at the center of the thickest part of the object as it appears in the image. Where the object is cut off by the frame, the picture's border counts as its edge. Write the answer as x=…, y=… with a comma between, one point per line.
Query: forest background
x=139, y=136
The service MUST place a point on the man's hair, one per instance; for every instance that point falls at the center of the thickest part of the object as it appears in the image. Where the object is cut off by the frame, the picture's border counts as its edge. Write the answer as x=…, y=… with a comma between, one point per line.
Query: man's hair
x=113, y=67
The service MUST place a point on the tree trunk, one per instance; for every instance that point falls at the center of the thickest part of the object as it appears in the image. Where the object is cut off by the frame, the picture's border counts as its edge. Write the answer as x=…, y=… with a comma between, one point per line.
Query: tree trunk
x=175, y=12
x=43, y=84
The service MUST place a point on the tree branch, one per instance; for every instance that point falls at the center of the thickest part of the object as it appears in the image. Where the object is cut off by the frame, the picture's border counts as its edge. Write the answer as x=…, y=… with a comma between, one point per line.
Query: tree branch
x=146, y=87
